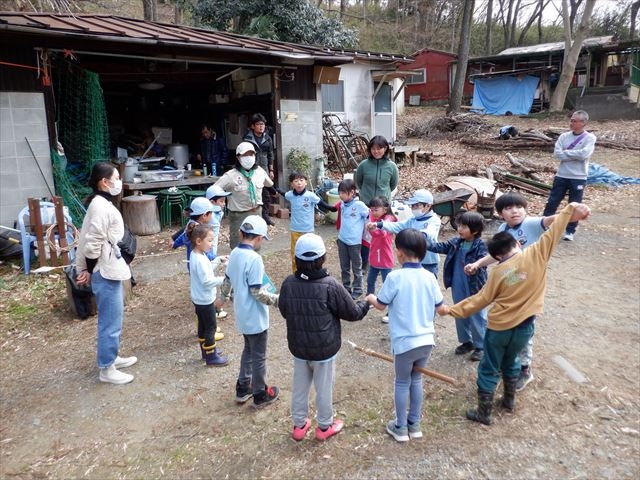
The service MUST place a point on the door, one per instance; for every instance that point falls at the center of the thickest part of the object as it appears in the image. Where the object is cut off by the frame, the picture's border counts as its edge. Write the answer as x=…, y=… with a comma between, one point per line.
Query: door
x=383, y=114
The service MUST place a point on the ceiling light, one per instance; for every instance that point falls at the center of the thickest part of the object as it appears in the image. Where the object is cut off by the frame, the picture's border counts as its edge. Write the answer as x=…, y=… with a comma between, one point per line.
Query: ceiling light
x=151, y=86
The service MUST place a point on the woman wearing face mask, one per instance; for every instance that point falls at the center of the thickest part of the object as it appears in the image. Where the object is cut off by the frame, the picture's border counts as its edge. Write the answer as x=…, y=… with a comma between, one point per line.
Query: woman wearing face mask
x=245, y=183
x=99, y=262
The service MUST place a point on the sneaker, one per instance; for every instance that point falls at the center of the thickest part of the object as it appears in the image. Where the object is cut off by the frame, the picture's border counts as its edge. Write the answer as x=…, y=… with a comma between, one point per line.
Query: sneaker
x=299, y=433
x=124, y=362
x=218, y=336
x=334, y=429
x=221, y=314
x=385, y=319
x=401, y=434
x=526, y=377
x=263, y=399
x=568, y=237
x=414, y=430
x=477, y=355
x=464, y=348
x=243, y=393
x=113, y=375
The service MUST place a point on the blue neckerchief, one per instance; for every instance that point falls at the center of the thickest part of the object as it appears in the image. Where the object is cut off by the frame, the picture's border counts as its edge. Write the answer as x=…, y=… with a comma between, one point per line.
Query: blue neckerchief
x=411, y=265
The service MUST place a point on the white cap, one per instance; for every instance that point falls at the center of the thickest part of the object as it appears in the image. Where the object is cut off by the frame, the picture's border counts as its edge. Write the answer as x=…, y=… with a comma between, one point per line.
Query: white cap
x=310, y=247
x=200, y=206
x=245, y=147
x=215, y=191
x=254, y=224
x=421, y=196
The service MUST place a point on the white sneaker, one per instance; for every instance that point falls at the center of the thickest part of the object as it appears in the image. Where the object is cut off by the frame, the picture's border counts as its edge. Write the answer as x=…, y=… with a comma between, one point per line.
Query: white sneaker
x=385, y=319
x=124, y=362
x=221, y=314
x=568, y=237
x=113, y=375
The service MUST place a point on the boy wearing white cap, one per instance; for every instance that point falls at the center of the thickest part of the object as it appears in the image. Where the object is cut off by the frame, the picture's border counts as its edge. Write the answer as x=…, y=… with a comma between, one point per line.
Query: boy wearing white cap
x=424, y=220
x=313, y=302
x=245, y=182
x=218, y=197
x=245, y=274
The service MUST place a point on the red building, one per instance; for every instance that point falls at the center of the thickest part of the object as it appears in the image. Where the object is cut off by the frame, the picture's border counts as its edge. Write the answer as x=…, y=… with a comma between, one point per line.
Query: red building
x=432, y=84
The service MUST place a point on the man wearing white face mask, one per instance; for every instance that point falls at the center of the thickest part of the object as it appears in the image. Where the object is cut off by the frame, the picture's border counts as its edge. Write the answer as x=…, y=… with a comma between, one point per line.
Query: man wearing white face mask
x=245, y=183
x=424, y=220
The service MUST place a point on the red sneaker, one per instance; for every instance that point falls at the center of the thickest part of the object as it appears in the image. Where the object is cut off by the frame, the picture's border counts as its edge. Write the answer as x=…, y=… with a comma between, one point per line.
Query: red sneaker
x=329, y=432
x=299, y=433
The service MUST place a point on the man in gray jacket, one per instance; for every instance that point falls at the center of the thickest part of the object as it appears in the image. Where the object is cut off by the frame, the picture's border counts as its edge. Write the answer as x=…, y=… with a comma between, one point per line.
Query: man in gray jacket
x=573, y=149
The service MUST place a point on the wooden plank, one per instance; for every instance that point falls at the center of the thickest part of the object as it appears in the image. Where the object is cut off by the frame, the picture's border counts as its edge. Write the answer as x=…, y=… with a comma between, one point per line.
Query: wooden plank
x=62, y=229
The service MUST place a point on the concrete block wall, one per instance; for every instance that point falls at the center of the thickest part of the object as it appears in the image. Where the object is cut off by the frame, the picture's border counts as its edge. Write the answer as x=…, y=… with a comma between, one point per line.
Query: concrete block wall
x=22, y=115
x=300, y=127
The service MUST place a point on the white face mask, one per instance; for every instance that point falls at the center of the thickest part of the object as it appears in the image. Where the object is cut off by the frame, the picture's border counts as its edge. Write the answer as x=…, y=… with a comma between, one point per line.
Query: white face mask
x=247, y=161
x=116, y=189
x=417, y=212
x=217, y=208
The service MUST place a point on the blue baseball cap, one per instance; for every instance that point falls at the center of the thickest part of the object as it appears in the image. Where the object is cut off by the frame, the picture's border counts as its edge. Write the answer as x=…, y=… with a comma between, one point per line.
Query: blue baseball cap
x=310, y=247
x=200, y=206
x=421, y=196
x=254, y=224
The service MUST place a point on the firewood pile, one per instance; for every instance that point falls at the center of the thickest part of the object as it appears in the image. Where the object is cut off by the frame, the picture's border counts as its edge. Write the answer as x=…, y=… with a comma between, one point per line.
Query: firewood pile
x=545, y=141
x=448, y=126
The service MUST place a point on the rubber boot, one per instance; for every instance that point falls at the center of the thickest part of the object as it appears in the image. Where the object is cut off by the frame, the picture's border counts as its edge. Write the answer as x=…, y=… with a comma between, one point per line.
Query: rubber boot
x=201, y=342
x=509, y=398
x=483, y=413
x=213, y=358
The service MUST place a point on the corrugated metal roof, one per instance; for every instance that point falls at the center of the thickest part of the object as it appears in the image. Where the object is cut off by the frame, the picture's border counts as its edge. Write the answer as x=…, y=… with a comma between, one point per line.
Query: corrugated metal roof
x=109, y=27
x=557, y=46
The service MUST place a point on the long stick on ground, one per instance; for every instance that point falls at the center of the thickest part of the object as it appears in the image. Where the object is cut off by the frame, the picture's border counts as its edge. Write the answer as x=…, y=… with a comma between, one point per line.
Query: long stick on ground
x=388, y=358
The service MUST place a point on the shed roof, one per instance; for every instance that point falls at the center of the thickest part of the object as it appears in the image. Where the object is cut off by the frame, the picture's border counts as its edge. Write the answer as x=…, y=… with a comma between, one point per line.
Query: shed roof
x=558, y=46
x=110, y=29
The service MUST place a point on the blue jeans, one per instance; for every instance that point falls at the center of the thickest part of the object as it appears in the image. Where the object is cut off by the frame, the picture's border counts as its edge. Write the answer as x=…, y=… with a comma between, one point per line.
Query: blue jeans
x=408, y=384
x=560, y=187
x=501, y=354
x=110, y=303
x=472, y=328
x=253, y=362
x=372, y=276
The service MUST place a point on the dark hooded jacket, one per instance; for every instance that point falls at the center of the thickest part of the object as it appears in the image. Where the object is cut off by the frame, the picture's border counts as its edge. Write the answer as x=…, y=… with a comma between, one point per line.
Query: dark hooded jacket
x=313, y=306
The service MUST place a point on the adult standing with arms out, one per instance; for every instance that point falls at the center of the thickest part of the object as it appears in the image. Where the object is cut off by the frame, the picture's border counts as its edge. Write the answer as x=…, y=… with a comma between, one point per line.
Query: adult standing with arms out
x=377, y=176
x=257, y=134
x=573, y=149
x=245, y=181
x=100, y=263
x=212, y=151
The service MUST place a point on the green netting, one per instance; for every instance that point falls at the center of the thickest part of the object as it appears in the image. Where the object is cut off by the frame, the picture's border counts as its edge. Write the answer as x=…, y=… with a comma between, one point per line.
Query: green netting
x=82, y=131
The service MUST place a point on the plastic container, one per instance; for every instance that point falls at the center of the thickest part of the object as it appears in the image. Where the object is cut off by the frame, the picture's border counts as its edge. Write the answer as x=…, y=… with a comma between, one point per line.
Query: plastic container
x=332, y=198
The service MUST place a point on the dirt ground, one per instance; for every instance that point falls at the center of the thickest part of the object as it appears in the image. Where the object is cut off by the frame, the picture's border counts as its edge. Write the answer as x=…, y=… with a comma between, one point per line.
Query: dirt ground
x=179, y=420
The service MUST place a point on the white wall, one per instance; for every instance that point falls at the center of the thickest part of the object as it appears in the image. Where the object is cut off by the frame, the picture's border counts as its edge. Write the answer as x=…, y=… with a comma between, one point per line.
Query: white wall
x=22, y=114
x=358, y=94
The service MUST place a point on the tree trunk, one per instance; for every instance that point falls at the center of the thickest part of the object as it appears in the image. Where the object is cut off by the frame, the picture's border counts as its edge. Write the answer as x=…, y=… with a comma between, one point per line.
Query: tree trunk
x=635, y=6
x=571, y=54
x=178, y=14
x=489, y=28
x=455, y=98
x=149, y=9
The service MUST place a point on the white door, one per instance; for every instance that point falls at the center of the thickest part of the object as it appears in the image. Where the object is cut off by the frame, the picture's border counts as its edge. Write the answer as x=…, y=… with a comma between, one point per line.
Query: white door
x=383, y=115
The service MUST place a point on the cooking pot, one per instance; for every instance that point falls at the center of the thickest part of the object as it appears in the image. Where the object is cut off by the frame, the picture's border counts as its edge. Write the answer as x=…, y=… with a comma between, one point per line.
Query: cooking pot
x=180, y=155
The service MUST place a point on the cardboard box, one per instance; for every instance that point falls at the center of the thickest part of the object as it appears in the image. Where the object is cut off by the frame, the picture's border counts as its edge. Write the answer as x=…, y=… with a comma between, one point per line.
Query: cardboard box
x=283, y=213
x=273, y=209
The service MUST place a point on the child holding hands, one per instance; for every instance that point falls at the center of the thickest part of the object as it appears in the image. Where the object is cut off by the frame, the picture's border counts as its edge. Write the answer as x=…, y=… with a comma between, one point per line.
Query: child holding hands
x=313, y=302
x=245, y=274
x=412, y=296
x=203, y=291
x=462, y=250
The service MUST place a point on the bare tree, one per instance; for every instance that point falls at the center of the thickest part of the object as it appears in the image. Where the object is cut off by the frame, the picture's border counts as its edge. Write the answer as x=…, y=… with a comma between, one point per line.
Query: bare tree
x=537, y=14
x=489, y=28
x=572, y=48
x=150, y=10
x=635, y=6
x=455, y=98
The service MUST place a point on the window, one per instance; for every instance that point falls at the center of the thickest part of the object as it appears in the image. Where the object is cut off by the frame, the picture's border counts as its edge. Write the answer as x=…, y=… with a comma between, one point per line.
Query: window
x=418, y=77
x=332, y=97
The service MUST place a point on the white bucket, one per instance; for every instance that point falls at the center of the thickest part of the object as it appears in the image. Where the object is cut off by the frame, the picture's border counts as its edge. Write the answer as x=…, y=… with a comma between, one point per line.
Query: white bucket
x=130, y=172
x=180, y=155
x=332, y=198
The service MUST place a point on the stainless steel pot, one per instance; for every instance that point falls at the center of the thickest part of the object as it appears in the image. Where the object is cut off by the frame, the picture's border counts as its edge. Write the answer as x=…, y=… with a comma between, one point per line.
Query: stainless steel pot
x=180, y=154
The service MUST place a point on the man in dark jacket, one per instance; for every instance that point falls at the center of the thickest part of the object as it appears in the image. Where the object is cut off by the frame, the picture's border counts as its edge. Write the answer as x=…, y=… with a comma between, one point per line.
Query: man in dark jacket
x=312, y=302
x=257, y=134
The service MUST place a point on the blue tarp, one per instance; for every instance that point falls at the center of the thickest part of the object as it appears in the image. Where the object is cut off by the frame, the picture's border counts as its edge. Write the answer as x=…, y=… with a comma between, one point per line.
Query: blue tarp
x=602, y=175
x=499, y=95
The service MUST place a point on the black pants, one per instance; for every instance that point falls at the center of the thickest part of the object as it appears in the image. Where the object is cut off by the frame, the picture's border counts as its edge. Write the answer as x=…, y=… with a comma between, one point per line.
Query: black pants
x=206, y=323
x=266, y=203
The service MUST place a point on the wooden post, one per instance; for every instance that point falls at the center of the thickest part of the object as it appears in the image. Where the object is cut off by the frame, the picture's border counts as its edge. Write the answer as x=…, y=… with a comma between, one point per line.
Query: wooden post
x=62, y=228
x=35, y=221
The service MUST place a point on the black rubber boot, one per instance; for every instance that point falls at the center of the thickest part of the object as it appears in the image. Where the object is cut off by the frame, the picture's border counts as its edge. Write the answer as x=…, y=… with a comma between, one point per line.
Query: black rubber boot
x=202, y=352
x=483, y=413
x=509, y=398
